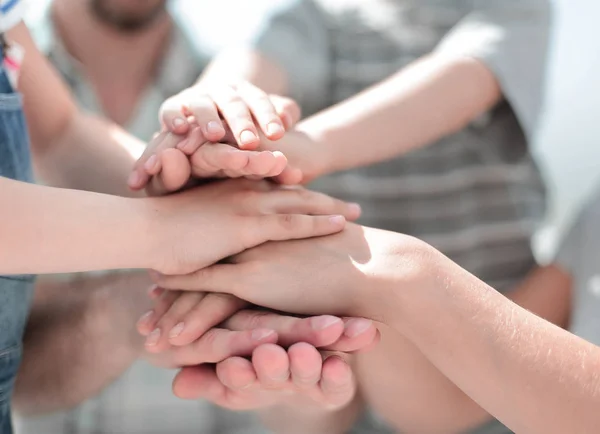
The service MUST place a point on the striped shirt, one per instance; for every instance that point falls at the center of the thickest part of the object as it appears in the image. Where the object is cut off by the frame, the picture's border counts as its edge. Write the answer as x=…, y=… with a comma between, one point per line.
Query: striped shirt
x=476, y=195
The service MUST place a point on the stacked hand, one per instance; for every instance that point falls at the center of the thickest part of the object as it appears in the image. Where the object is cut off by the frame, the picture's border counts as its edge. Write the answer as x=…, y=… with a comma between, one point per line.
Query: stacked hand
x=240, y=358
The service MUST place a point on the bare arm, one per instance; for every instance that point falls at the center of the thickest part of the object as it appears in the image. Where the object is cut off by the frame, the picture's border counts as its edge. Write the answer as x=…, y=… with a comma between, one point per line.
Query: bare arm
x=534, y=376
x=430, y=99
x=436, y=404
x=80, y=337
x=70, y=149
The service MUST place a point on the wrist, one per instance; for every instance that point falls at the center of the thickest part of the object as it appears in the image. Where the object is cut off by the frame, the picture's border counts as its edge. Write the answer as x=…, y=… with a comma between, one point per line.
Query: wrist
x=149, y=232
x=403, y=291
x=322, y=159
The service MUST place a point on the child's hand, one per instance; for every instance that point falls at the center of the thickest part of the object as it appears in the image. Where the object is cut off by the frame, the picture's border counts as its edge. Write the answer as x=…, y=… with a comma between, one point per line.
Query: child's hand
x=170, y=160
x=180, y=318
x=242, y=106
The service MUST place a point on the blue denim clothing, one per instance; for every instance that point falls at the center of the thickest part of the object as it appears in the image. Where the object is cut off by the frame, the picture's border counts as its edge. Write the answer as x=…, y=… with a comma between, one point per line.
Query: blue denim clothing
x=15, y=291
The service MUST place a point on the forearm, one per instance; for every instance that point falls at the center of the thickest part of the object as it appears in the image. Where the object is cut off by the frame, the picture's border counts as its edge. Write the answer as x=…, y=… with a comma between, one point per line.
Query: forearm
x=80, y=337
x=304, y=417
x=436, y=404
x=532, y=375
x=70, y=149
x=50, y=230
x=89, y=154
x=430, y=99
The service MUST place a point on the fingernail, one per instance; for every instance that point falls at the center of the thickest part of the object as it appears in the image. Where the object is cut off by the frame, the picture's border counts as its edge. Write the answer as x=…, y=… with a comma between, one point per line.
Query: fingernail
x=134, y=179
x=261, y=334
x=145, y=318
x=155, y=291
x=214, y=127
x=337, y=220
x=274, y=128
x=151, y=163
x=178, y=122
x=323, y=322
x=247, y=137
x=153, y=338
x=357, y=327
x=355, y=208
x=176, y=331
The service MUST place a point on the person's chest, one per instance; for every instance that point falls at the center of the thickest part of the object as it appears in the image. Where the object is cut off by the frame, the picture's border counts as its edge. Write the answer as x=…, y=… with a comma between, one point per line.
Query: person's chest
x=369, y=41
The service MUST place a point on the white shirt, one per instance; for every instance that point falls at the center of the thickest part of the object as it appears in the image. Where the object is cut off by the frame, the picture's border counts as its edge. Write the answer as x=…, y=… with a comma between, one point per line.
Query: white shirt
x=11, y=13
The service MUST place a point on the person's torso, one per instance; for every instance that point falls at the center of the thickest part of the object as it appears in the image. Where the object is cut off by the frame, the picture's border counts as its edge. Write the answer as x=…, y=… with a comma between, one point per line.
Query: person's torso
x=15, y=290
x=180, y=66
x=476, y=195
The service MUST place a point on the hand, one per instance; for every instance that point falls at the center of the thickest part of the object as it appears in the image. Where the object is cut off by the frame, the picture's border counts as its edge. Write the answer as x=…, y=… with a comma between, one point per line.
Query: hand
x=170, y=160
x=239, y=335
x=350, y=273
x=298, y=376
x=202, y=226
x=180, y=318
x=240, y=105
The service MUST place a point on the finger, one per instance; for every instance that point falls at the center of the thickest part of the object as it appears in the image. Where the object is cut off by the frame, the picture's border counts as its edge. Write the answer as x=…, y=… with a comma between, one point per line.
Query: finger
x=236, y=373
x=319, y=331
x=206, y=114
x=303, y=201
x=266, y=164
x=272, y=366
x=262, y=109
x=213, y=310
x=170, y=323
x=218, y=344
x=288, y=110
x=290, y=176
x=171, y=115
x=215, y=157
x=195, y=139
x=197, y=382
x=174, y=174
x=360, y=335
x=237, y=115
x=149, y=164
x=147, y=323
x=305, y=365
x=155, y=292
x=337, y=382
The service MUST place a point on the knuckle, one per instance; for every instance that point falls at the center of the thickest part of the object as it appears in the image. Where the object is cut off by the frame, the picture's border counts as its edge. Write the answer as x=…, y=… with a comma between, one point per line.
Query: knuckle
x=287, y=222
x=209, y=340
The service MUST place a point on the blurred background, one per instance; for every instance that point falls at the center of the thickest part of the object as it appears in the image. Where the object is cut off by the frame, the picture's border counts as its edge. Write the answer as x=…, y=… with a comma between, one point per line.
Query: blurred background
x=568, y=141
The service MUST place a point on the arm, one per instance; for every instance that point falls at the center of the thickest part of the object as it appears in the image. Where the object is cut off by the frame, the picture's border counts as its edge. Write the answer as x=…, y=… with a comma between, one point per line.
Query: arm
x=80, y=337
x=478, y=63
x=532, y=375
x=430, y=99
x=71, y=149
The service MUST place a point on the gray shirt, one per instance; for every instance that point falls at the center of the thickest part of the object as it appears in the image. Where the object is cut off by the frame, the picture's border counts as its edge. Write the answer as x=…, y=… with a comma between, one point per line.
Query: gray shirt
x=476, y=195
x=579, y=255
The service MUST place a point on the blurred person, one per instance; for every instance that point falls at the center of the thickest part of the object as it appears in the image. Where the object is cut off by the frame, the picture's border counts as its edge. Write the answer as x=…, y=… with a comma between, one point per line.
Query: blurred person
x=122, y=59
x=457, y=88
